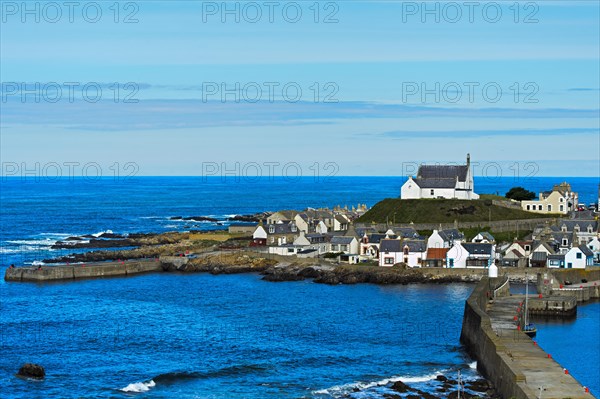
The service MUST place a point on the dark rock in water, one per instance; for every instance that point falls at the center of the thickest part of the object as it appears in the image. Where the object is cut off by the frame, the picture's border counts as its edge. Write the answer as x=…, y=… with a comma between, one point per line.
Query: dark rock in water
x=309, y=272
x=279, y=274
x=479, y=385
x=401, y=387
x=30, y=370
x=201, y=219
x=391, y=396
x=176, y=218
x=441, y=378
x=413, y=397
x=73, y=238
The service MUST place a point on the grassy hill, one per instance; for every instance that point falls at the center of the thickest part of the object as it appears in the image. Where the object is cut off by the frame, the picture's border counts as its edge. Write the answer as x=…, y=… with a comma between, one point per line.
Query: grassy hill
x=441, y=211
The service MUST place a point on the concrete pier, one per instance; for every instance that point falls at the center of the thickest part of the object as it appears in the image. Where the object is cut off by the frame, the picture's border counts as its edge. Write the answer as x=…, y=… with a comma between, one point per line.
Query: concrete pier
x=81, y=271
x=505, y=355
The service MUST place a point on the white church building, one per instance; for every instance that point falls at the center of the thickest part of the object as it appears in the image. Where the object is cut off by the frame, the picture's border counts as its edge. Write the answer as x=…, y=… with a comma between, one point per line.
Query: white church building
x=441, y=181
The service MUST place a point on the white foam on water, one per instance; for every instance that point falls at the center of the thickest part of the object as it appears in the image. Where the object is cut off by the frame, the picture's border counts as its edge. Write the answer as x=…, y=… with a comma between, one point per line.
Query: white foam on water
x=37, y=263
x=139, y=386
x=341, y=390
x=473, y=365
x=102, y=232
x=43, y=242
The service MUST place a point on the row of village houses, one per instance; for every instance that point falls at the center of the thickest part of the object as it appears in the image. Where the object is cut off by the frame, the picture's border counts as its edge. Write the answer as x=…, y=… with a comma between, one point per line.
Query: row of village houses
x=571, y=243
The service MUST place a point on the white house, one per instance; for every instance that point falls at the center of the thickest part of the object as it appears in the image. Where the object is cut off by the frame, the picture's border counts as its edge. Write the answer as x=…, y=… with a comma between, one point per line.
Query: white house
x=444, y=238
x=441, y=181
x=484, y=237
x=463, y=255
x=345, y=244
x=594, y=245
x=390, y=252
x=318, y=242
x=275, y=234
x=579, y=257
x=410, y=252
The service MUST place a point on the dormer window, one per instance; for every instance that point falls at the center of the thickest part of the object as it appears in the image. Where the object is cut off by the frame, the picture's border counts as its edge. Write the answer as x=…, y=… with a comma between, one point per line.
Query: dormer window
x=294, y=228
x=271, y=229
x=590, y=229
x=563, y=228
x=576, y=228
x=405, y=250
x=565, y=242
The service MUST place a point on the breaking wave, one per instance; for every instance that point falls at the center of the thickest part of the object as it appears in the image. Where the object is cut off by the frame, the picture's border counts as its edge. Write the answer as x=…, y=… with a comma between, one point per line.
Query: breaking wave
x=139, y=386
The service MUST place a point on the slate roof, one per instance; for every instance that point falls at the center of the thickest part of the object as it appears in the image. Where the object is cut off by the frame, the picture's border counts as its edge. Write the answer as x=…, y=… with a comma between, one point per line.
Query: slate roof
x=570, y=224
x=443, y=172
x=390, y=246
x=406, y=232
x=451, y=235
x=539, y=256
x=586, y=251
x=280, y=228
x=342, y=240
x=415, y=246
x=376, y=238
x=478, y=249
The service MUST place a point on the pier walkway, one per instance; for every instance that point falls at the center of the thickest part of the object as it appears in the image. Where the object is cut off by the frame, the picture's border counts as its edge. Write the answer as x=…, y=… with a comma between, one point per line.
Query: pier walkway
x=543, y=375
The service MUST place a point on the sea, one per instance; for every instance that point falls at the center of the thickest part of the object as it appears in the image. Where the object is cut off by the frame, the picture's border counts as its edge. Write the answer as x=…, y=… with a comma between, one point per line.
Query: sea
x=232, y=336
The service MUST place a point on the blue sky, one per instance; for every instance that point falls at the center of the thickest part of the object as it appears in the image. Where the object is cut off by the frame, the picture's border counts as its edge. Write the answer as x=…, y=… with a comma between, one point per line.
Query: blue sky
x=381, y=83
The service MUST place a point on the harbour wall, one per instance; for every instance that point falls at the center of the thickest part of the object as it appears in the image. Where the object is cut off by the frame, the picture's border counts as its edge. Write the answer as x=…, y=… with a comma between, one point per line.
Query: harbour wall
x=485, y=346
x=82, y=271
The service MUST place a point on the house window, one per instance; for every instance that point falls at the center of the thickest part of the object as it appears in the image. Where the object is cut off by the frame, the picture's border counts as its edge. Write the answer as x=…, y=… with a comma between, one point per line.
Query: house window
x=451, y=262
x=432, y=192
x=405, y=250
x=405, y=259
x=562, y=199
x=540, y=207
x=290, y=250
x=576, y=228
x=271, y=229
x=562, y=208
x=565, y=242
x=569, y=265
x=528, y=207
x=388, y=261
x=589, y=229
x=527, y=248
x=578, y=255
x=549, y=208
x=344, y=247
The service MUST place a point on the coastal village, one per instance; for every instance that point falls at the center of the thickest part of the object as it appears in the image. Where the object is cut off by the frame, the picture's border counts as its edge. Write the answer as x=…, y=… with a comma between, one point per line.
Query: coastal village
x=571, y=239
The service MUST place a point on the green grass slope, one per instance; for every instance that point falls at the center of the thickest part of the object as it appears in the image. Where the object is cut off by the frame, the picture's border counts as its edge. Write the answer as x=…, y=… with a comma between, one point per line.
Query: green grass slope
x=442, y=211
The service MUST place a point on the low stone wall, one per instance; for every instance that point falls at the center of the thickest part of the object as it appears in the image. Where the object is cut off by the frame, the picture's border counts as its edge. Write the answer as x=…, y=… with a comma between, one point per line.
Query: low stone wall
x=494, y=225
x=71, y=272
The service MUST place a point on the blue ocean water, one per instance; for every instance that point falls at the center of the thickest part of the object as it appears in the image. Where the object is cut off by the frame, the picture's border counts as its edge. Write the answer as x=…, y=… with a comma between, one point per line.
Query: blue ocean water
x=217, y=336
x=234, y=336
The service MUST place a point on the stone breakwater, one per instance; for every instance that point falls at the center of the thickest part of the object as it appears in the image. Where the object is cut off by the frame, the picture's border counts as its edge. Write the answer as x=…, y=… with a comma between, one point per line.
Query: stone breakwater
x=505, y=355
x=82, y=271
